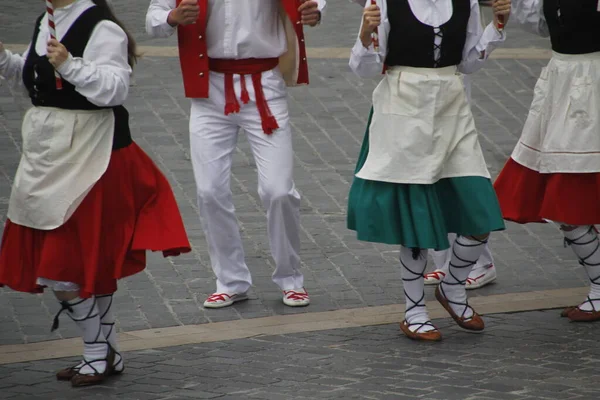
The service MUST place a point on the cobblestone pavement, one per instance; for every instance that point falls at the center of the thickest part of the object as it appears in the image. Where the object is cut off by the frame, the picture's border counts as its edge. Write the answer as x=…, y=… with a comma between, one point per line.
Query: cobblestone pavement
x=328, y=118
x=533, y=356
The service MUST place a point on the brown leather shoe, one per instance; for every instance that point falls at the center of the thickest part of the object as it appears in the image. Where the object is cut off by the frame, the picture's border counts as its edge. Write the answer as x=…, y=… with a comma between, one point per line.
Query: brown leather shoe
x=431, y=336
x=565, y=313
x=579, y=315
x=80, y=380
x=474, y=323
x=67, y=374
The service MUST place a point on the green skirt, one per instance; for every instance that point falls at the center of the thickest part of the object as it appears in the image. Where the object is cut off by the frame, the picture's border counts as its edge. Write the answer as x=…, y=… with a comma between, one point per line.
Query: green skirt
x=421, y=216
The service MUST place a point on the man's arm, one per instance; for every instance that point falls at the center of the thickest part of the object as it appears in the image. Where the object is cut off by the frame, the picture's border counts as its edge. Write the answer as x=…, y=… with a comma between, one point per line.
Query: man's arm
x=157, y=17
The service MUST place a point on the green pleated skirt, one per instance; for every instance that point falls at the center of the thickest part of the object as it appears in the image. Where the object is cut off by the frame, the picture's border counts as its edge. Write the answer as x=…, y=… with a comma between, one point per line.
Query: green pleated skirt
x=421, y=216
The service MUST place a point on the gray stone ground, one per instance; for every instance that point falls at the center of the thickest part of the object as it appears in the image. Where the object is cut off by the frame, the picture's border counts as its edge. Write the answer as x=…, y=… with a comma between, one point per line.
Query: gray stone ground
x=528, y=356
x=328, y=119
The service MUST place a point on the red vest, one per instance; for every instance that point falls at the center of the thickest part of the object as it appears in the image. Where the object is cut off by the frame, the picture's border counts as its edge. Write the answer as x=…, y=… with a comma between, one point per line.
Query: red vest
x=193, y=50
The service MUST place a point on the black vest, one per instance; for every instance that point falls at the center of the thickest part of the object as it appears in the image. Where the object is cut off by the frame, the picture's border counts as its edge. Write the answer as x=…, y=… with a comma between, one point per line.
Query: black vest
x=574, y=25
x=411, y=43
x=38, y=75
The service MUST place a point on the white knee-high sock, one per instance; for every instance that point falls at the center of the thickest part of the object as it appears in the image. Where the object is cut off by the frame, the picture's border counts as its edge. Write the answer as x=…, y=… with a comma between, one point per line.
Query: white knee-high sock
x=95, y=347
x=413, y=264
x=465, y=253
x=107, y=320
x=585, y=244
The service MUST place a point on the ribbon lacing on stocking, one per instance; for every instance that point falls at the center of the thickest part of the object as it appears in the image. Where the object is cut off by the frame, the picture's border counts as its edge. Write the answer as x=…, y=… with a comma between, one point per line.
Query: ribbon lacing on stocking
x=416, y=254
x=468, y=264
x=583, y=261
x=111, y=324
x=66, y=306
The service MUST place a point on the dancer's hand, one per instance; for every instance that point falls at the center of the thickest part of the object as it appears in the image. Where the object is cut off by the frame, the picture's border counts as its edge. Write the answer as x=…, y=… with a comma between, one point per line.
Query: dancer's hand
x=309, y=13
x=371, y=20
x=501, y=9
x=57, y=53
x=186, y=13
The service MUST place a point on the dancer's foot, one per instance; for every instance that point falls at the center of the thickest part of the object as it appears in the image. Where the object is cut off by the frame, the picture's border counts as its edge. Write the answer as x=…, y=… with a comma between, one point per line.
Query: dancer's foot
x=67, y=374
x=468, y=318
x=423, y=331
x=434, y=277
x=296, y=298
x=480, y=277
x=585, y=312
x=94, y=372
x=220, y=300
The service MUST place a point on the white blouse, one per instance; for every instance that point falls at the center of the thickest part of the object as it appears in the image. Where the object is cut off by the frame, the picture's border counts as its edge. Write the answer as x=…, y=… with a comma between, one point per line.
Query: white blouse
x=529, y=14
x=479, y=44
x=101, y=75
x=236, y=29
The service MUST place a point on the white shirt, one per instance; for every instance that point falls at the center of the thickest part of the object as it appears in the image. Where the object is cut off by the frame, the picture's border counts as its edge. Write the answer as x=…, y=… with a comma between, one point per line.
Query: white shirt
x=236, y=29
x=479, y=43
x=101, y=75
x=529, y=14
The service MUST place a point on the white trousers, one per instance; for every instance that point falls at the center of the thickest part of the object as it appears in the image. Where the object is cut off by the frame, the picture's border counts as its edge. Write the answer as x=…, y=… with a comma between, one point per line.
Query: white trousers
x=213, y=138
x=441, y=259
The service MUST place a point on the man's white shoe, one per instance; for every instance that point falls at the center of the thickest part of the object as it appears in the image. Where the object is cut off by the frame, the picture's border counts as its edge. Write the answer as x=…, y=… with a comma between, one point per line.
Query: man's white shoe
x=296, y=297
x=435, y=277
x=481, y=276
x=220, y=300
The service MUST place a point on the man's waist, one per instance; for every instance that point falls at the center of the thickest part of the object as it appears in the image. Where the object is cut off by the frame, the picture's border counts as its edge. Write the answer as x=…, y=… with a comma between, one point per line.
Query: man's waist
x=246, y=66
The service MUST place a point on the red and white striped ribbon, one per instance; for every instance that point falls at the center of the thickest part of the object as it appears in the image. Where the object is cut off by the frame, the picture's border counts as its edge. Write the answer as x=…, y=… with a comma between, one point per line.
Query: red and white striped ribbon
x=52, y=29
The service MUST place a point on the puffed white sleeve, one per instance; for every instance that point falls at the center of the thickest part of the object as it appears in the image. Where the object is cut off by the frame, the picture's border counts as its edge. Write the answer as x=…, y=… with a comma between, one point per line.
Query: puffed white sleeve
x=156, y=18
x=11, y=67
x=529, y=14
x=480, y=42
x=102, y=74
x=366, y=62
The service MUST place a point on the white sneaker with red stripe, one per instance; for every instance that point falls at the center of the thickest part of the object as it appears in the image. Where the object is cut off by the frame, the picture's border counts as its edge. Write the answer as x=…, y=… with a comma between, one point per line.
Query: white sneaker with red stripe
x=220, y=300
x=480, y=277
x=296, y=298
x=435, y=277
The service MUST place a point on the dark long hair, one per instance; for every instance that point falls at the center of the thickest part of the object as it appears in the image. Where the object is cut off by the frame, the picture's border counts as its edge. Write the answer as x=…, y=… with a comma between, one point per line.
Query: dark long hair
x=132, y=54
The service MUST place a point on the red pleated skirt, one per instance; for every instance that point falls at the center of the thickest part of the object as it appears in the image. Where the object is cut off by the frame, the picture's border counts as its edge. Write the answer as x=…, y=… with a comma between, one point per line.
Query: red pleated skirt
x=526, y=195
x=131, y=209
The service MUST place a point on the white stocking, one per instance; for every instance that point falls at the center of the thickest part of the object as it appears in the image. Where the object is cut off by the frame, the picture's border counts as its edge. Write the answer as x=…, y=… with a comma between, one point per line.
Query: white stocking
x=107, y=320
x=95, y=348
x=585, y=244
x=465, y=253
x=413, y=270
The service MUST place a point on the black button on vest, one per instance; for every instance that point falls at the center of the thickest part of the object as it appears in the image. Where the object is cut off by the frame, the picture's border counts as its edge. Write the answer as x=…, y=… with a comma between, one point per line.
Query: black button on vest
x=574, y=25
x=40, y=82
x=411, y=42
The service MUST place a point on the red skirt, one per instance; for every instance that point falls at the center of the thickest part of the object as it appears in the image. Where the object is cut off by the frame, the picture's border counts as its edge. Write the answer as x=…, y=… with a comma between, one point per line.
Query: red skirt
x=131, y=209
x=526, y=196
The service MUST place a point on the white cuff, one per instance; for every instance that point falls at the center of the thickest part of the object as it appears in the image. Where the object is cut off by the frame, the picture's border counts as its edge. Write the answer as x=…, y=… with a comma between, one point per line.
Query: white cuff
x=361, y=51
x=66, y=67
x=490, y=39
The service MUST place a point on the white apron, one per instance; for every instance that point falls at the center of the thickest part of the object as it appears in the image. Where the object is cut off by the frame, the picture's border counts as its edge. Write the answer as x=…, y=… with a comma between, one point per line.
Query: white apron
x=562, y=131
x=64, y=154
x=422, y=129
